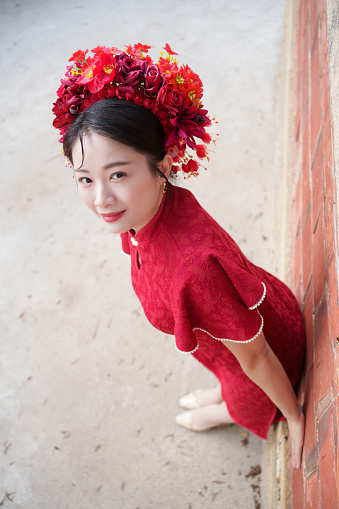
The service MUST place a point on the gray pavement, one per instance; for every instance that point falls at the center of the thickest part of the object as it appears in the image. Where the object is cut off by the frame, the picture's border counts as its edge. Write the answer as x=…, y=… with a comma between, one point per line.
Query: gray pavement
x=88, y=388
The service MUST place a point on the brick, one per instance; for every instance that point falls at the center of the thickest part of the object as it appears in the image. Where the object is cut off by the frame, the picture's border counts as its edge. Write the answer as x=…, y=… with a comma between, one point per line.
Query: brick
x=336, y=368
x=305, y=127
x=323, y=33
x=297, y=488
x=306, y=250
x=306, y=191
x=317, y=177
x=333, y=299
x=314, y=21
x=310, y=443
x=308, y=317
x=319, y=260
x=297, y=203
x=336, y=440
x=330, y=190
x=296, y=268
x=312, y=492
x=316, y=98
x=323, y=358
x=327, y=461
x=305, y=70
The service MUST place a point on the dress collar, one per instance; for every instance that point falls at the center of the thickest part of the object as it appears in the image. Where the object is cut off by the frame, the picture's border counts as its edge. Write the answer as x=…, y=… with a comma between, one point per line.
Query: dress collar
x=149, y=232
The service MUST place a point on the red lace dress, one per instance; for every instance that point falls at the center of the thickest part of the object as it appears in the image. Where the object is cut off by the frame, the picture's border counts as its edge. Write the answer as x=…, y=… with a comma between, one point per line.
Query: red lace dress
x=193, y=281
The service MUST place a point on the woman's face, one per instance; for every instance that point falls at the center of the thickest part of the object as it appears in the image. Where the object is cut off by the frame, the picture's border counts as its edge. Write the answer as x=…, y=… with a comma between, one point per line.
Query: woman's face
x=116, y=183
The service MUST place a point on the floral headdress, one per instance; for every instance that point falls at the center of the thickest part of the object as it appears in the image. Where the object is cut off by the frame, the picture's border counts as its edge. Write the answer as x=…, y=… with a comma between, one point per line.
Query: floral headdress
x=172, y=93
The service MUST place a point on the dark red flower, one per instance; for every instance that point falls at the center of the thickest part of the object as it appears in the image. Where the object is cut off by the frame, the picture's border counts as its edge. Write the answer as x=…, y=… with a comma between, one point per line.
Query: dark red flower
x=130, y=70
x=148, y=103
x=186, y=127
x=153, y=79
x=170, y=99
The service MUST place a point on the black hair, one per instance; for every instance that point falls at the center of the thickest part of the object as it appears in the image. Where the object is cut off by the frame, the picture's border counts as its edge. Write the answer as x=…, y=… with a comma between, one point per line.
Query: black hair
x=122, y=121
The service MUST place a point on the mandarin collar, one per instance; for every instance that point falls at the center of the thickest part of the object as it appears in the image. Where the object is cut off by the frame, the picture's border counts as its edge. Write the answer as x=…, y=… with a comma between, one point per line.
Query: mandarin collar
x=149, y=232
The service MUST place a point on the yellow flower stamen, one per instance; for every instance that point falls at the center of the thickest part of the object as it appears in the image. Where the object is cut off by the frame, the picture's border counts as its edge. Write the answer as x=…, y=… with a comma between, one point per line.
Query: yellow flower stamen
x=108, y=69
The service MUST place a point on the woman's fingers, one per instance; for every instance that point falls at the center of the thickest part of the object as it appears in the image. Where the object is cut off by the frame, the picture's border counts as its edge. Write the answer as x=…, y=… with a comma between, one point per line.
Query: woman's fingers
x=296, y=433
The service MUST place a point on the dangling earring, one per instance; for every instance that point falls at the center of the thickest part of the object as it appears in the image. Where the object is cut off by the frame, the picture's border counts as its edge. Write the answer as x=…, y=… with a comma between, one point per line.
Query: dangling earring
x=165, y=188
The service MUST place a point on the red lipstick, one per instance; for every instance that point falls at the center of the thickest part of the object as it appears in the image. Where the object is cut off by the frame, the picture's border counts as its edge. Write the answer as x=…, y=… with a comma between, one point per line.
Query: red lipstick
x=114, y=216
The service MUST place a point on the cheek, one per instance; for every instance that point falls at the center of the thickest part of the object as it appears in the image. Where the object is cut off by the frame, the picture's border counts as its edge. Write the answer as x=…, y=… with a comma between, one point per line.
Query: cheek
x=86, y=197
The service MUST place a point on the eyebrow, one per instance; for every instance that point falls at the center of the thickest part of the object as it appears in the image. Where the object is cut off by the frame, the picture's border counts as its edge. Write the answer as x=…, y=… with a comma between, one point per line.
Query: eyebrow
x=107, y=166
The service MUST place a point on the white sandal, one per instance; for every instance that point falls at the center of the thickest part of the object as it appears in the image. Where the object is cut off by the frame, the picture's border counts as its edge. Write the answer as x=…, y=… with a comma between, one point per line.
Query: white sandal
x=186, y=421
x=189, y=401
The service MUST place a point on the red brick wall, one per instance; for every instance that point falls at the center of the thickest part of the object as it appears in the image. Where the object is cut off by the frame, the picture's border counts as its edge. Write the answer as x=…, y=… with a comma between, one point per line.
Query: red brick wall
x=314, y=273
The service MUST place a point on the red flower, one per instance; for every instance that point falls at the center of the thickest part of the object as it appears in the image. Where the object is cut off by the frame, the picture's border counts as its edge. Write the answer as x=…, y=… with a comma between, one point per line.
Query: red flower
x=187, y=126
x=103, y=49
x=100, y=72
x=78, y=55
x=129, y=70
x=175, y=169
x=201, y=151
x=139, y=98
x=191, y=167
x=171, y=93
x=170, y=99
x=142, y=47
x=153, y=79
x=148, y=103
x=167, y=48
x=206, y=138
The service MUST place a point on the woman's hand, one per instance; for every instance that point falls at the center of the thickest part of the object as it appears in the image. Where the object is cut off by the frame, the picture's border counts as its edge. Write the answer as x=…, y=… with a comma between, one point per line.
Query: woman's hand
x=296, y=429
x=262, y=366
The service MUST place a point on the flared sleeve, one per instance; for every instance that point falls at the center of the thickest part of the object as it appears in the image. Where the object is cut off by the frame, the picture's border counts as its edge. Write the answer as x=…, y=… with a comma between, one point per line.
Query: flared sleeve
x=217, y=297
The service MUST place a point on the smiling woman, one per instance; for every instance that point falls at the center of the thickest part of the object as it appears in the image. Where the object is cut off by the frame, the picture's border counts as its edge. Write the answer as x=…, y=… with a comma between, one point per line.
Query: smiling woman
x=117, y=183
x=124, y=120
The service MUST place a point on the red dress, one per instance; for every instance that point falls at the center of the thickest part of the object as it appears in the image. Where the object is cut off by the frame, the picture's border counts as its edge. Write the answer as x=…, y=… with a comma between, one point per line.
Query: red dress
x=193, y=281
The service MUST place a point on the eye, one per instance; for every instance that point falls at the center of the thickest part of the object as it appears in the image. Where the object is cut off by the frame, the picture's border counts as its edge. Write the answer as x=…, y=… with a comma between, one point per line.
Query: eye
x=85, y=181
x=118, y=175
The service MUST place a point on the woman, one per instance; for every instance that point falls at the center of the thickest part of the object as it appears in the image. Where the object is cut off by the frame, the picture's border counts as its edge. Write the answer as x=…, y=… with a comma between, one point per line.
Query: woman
x=124, y=120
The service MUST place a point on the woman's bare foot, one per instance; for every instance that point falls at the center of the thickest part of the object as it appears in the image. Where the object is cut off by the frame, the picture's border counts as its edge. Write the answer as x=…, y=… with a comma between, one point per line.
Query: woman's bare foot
x=201, y=398
x=204, y=418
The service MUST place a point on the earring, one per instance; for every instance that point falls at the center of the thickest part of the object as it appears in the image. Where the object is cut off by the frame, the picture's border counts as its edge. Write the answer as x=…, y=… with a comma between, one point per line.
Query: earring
x=165, y=188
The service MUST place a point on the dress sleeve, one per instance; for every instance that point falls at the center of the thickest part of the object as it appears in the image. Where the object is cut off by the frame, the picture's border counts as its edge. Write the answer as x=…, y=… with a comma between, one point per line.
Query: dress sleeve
x=125, y=243
x=218, y=298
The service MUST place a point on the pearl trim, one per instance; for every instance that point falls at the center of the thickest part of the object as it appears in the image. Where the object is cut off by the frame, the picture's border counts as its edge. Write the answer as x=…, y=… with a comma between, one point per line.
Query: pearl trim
x=261, y=300
x=234, y=340
x=192, y=351
x=134, y=242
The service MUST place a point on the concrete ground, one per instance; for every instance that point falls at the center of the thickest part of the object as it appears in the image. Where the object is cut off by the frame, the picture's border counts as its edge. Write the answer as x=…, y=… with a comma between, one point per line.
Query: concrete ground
x=88, y=388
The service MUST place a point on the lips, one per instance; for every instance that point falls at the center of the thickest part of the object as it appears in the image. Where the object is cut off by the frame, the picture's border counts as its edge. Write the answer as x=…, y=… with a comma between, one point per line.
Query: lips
x=111, y=217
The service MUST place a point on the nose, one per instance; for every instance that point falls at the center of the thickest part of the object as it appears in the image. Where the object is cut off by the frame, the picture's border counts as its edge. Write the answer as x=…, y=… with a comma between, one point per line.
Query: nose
x=104, y=196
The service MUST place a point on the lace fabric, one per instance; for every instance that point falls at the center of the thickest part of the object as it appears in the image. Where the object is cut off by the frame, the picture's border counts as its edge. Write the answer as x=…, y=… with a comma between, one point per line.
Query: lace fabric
x=193, y=281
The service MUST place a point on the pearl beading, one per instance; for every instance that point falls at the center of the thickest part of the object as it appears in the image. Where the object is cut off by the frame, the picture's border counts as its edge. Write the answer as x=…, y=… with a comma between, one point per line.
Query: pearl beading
x=261, y=300
x=225, y=339
x=235, y=340
x=134, y=242
x=192, y=351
